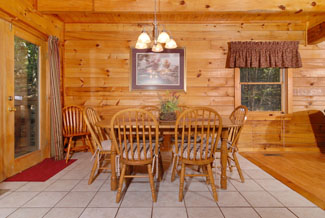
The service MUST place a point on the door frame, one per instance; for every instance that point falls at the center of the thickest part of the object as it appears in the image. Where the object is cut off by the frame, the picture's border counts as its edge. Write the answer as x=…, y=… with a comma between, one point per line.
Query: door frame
x=10, y=164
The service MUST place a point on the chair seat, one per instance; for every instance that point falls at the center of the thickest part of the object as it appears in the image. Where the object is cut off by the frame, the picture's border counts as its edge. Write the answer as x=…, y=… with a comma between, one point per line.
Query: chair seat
x=142, y=151
x=106, y=145
x=192, y=151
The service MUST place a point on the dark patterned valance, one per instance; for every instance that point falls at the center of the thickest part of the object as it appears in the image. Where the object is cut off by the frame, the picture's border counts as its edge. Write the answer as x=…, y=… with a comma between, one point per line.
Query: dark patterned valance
x=282, y=54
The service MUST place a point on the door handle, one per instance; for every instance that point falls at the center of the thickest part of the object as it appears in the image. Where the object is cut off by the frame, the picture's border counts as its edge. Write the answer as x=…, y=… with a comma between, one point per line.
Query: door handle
x=12, y=109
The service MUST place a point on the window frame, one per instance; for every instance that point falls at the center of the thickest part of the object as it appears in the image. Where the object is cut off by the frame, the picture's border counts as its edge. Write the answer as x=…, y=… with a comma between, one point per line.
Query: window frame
x=286, y=92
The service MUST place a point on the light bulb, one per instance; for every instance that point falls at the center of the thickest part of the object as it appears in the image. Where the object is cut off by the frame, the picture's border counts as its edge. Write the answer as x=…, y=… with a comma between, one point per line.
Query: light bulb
x=171, y=44
x=157, y=48
x=141, y=45
x=163, y=37
x=144, y=37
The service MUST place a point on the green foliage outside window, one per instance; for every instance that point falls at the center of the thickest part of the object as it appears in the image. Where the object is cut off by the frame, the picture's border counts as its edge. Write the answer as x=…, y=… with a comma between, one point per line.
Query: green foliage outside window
x=26, y=81
x=261, y=89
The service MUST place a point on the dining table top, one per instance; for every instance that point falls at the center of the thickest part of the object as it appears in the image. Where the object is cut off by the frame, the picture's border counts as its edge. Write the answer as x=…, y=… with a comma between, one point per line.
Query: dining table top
x=226, y=123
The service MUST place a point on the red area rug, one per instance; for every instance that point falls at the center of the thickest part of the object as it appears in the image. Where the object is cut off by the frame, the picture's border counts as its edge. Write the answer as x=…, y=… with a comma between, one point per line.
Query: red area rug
x=41, y=172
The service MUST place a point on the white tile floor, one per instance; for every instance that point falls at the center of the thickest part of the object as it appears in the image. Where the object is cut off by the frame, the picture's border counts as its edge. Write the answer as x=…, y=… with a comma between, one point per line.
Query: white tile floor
x=68, y=194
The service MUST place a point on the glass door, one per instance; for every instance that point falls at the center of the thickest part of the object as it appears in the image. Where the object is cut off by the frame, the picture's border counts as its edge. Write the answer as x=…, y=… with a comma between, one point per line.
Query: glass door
x=26, y=101
x=24, y=111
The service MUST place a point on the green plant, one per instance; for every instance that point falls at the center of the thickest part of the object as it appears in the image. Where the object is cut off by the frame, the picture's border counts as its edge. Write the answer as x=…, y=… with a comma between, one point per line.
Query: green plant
x=169, y=103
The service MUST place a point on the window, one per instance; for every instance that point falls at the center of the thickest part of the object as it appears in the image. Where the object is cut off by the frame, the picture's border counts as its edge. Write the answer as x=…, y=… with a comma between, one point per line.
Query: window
x=26, y=92
x=262, y=89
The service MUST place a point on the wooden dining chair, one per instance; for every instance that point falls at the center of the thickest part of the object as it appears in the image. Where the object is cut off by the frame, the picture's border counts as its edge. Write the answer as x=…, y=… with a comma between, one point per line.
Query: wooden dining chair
x=181, y=108
x=135, y=134
x=152, y=109
x=156, y=112
x=201, y=122
x=238, y=117
x=74, y=126
x=100, y=141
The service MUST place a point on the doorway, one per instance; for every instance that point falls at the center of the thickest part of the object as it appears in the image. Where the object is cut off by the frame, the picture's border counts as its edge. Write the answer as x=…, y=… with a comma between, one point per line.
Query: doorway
x=24, y=112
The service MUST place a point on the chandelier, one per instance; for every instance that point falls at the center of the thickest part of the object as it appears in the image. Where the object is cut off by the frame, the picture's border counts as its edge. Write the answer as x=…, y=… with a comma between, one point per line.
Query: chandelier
x=160, y=40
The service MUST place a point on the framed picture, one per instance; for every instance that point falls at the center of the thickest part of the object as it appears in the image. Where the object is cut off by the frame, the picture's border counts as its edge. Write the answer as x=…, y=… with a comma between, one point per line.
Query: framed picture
x=158, y=71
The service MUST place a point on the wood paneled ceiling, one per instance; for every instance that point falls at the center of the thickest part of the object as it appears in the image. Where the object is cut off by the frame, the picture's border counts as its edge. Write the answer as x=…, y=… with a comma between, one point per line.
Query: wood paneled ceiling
x=182, y=5
x=193, y=17
x=185, y=11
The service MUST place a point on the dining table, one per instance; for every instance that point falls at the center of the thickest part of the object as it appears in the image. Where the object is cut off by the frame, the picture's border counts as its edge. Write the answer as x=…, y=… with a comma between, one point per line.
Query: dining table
x=168, y=125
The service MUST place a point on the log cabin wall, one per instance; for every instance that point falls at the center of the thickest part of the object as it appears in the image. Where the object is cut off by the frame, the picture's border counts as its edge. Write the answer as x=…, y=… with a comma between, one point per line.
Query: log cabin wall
x=96, y=73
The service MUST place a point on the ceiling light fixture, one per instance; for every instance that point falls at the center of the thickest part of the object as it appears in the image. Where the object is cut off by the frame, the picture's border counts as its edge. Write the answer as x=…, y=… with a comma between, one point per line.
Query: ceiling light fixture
x=159, y=41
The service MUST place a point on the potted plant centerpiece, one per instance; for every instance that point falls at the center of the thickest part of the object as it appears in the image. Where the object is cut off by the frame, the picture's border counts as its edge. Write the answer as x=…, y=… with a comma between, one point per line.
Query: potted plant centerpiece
x=169, y=106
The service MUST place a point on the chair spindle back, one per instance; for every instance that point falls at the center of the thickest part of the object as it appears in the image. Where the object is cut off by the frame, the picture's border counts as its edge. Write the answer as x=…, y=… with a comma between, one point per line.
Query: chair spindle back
x=135, y=133
x=73, y=122
x=197, y=130
x=152, y=109
x=238, y=116
x=97, y=134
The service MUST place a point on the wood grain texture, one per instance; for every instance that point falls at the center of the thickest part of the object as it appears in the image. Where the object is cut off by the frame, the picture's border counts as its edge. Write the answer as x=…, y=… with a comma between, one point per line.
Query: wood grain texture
x=4, y=41
x=66, y=5
x=303, y=172
x=241, y=18
x=33, y=26
x=316, y=34
x=96, y=74
x=297, y=6
x=20, y=11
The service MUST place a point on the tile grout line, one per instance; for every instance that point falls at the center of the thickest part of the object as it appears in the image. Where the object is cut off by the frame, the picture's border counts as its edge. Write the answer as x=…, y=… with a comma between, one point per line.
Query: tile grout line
x=13, y=211
x=20, y=207
x=66, y=193
x=215, y=181
x=251, y=206
x=284, y=206
x=90, y=199
x=152, y=206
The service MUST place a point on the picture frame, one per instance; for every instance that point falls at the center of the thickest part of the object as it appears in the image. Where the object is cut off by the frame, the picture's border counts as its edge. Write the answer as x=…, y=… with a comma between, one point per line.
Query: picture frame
x=164, y=70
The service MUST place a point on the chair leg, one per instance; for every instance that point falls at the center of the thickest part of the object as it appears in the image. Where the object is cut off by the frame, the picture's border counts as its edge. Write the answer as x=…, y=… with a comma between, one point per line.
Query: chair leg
x=229, y=164
x=175, y=158
x=152, y=184
x=213, y=186
x=238, y=167
x=204, y=168
x=161, y=168
x=65, y=141
x=90, y=145
x=93, y=170
x=120, y=186
x=181, y=184
x=68, y=150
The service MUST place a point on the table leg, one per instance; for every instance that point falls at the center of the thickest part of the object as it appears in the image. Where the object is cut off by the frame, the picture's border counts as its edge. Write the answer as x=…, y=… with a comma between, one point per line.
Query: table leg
x=166, y=143
x=223, y=159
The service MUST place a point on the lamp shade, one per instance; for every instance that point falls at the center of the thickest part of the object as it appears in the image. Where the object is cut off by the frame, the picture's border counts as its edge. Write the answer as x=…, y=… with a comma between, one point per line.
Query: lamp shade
x=157, y=47
x=141, y=45
x=144, y=37
x=171, y=44
x=163, y=37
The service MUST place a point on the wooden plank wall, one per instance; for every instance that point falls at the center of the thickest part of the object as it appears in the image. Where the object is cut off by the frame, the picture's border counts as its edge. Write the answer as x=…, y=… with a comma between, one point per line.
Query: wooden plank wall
x=96, y=73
